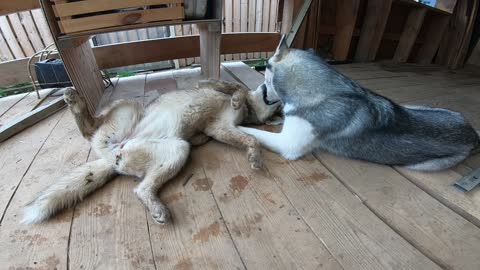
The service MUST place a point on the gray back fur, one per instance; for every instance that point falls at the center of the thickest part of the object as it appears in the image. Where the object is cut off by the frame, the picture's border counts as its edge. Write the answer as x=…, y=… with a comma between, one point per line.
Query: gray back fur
x=355, y=122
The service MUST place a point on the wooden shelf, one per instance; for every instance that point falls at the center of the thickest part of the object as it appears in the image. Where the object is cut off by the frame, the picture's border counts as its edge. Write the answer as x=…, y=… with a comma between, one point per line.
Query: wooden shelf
x=133, y=26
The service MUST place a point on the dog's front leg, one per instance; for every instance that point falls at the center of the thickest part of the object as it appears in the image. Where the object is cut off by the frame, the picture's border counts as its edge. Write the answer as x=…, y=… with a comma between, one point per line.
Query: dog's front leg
x=295, y=140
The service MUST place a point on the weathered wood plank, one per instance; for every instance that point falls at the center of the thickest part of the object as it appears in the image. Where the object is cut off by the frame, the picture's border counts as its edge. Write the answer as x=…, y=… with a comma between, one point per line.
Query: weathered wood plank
x=423, y=221
x=435, y=31
x=345, y=24
x=256, y=213
x=42, y=26
x=21, y=35
x=440, y=186
x=409, y=35
x=29, y=119
x=34, y=36
x=43, y=245
x=354, y=235
x=10, y=38
x=376, y=16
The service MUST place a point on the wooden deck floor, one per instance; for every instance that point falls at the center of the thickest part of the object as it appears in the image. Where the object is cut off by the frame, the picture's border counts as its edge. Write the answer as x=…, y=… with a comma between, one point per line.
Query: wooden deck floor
x=320, y=212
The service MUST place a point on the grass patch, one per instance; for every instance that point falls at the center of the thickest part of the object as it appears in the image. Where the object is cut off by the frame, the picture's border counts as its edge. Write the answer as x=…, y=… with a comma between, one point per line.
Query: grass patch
x=124, y=74
x=16, y=89
x=261, y=63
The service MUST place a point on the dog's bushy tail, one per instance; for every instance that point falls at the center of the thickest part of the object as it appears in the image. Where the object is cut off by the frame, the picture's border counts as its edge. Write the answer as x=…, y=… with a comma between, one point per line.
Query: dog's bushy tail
x=68, y=190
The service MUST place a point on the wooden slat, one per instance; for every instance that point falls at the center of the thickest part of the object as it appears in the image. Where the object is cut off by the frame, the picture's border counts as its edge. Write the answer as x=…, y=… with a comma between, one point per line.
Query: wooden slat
x=7, y=7
x=21, y=150
x=90, y=6
x=228, y=22
x=287, y=15
x=422, y=220
x=236, y=22
x=187, y=31
x=244, y=21
x=117, y=19
x=253, y=207
x=354, y=235
x=409, y=35
x=252, y=5
x=474, y=58
x=43, y=246
x=42, y=26
x=21, y=35
x=158, y=50
x=376, y=16
x=32, y=32
x=435, y=30
x=5, y=53
x=440, y=186
x=345, y=24
x=265, y=20
x=177, y=33
x=196, y=32
x=10, y=38
x=29, y=119
x=258, y=22
x=272, y=25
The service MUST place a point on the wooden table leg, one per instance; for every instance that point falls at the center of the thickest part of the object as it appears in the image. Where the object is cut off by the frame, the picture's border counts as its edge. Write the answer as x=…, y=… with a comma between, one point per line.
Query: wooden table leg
x=210, y=35
x=82, y=68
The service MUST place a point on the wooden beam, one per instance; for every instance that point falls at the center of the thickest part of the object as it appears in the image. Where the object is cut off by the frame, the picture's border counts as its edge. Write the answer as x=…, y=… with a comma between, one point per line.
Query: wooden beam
x=188, y=46
x=31, y=118
x=374, y=23
x=11, y=6
x=409, y=35
x=346, y=17
x=435, y=30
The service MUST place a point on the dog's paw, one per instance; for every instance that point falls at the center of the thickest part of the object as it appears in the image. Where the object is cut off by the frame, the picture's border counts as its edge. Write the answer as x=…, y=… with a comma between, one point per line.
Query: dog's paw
x=255, y=159
x=161, y=215
x=236, y=102
x=70, y=96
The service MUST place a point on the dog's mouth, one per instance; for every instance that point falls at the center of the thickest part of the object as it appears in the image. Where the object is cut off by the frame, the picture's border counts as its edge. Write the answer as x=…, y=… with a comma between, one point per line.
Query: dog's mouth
x=265, y=99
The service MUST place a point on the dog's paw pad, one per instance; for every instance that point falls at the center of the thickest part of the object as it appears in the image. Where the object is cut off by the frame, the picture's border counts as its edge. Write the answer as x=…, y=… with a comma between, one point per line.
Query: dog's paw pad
x=161, y=217
x=236, y=103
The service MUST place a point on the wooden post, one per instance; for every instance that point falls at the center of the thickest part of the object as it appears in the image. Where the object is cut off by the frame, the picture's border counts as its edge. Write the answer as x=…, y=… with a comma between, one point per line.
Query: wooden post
x=373, y=27
x=345, y=25
x=210, y=36
x=409, y=35
x=83, y=70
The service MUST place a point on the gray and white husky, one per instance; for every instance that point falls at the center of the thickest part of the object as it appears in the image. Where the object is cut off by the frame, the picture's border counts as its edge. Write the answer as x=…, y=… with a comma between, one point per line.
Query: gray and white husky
x=324, y=110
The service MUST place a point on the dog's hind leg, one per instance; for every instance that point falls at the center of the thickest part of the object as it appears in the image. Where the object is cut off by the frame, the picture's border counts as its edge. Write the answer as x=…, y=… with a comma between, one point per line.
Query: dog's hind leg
x=156, y=162
x=78, y=107
x=437, y=164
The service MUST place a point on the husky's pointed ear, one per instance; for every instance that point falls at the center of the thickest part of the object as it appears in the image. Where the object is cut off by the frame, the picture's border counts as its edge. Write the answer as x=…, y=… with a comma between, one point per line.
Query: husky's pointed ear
x=282, y=49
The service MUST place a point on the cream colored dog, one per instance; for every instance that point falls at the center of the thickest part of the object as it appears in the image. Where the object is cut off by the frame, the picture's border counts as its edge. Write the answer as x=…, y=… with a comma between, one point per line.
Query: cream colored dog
x=153, y=143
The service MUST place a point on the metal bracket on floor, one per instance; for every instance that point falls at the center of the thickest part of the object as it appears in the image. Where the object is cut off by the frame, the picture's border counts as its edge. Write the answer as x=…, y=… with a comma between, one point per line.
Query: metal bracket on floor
x=469, y=182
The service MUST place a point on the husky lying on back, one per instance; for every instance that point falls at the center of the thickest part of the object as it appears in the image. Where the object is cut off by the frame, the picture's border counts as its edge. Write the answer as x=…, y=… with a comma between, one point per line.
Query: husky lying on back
x=153, y=144
x=325, y=110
